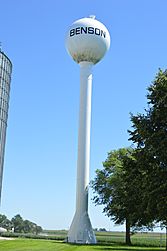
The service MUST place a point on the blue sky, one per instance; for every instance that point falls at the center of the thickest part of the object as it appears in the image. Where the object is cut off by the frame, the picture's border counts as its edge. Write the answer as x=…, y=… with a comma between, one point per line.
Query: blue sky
x=41, y=150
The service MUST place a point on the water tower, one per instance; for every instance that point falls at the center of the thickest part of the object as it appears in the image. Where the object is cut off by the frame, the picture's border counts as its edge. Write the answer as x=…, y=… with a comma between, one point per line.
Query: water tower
x=87, y=41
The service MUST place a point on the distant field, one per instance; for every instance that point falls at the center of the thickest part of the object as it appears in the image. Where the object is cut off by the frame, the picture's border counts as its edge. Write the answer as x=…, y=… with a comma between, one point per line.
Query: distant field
x=141, y=239
x=49, y=245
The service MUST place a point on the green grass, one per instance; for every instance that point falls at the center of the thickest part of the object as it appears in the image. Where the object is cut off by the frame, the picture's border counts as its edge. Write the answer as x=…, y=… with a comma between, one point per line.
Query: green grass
x=49, y=245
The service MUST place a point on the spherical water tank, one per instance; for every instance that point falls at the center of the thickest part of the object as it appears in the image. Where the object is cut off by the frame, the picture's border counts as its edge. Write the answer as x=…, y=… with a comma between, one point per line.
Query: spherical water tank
x=87, y=40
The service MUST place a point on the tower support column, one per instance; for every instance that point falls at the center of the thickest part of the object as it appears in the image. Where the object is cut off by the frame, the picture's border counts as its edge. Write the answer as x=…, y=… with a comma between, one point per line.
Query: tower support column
x=81, y=229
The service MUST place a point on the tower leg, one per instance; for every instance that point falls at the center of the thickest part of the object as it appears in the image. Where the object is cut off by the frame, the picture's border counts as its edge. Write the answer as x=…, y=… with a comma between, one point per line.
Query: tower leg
x=81, y=229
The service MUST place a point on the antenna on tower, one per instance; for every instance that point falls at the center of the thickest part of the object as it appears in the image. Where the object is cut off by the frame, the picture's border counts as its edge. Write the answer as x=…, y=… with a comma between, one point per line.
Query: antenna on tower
x=92, y=16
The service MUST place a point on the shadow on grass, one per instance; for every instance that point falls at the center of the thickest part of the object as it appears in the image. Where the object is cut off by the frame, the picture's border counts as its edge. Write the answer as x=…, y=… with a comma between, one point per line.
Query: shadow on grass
x=116, y=246
x=128, y=248
x=125, y=248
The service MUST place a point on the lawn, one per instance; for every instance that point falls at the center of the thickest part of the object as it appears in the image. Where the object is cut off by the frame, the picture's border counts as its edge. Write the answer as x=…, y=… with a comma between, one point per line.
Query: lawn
x=51, y=245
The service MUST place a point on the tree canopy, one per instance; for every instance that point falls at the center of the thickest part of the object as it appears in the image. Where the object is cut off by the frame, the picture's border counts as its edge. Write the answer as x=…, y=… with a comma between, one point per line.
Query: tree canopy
x=149, y=133
x=19, y=225
x=116, y=187
x=5, y=223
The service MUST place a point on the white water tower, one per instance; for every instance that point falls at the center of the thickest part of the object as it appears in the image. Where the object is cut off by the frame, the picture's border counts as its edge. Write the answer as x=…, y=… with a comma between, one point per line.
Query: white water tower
x=87, y=41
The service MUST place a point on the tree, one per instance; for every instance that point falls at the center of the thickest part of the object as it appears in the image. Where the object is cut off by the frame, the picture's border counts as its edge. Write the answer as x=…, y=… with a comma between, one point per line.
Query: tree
x=18, y=223
x=150, y=129
x=30, y=227
x=149, y=133
x=38, y=229
x=25, y=226
x=5, y=222
x=117, y=186
x=102, y=229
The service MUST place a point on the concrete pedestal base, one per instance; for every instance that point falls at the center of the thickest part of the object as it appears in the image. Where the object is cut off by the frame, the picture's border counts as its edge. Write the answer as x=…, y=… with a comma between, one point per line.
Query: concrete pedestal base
x=81, y=230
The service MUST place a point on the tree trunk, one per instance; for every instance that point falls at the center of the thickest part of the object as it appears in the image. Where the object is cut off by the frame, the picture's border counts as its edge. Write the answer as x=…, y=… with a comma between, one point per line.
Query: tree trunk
x=128, y=240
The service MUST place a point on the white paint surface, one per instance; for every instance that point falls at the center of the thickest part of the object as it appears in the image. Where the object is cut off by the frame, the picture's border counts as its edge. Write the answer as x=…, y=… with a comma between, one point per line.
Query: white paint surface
x=87, y=42
x=81, y=229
